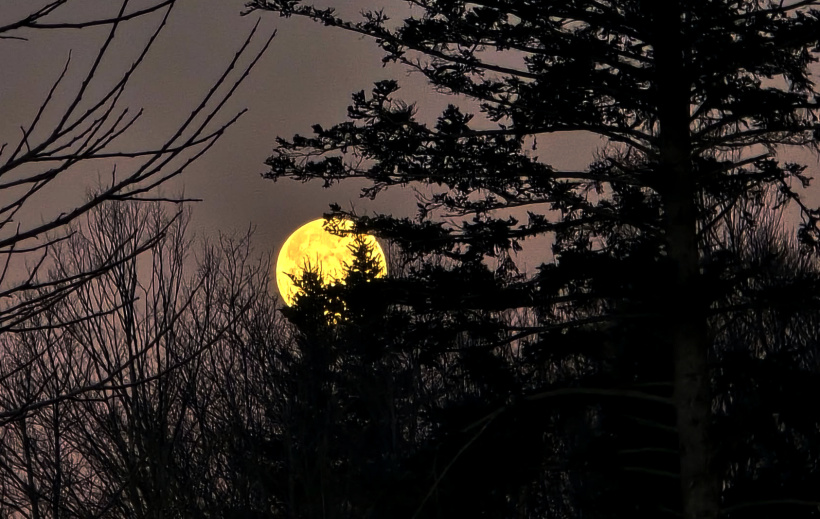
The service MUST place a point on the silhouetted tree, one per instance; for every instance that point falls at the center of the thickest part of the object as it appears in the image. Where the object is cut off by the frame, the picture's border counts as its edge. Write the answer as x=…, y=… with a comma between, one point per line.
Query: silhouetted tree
x=164, y=386
x=353, y=402
x=767, y=347
x=233, y=463
x=91, y=413
x=694, y=100
x=83, y=121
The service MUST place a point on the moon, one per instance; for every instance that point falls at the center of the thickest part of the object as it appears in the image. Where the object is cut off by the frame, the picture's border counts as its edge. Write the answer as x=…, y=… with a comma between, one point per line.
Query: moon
x=312, y=245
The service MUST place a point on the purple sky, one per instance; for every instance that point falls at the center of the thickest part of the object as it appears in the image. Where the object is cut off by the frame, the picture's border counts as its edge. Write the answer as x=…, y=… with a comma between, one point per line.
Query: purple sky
x=306, y=77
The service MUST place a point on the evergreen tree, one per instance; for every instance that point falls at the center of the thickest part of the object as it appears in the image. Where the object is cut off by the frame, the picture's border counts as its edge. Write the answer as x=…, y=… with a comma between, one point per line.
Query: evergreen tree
x=695, y=100
x=351, y=399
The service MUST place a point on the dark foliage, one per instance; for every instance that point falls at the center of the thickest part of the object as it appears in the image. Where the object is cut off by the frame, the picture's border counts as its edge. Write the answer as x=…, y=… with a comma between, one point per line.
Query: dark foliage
x=615, y=379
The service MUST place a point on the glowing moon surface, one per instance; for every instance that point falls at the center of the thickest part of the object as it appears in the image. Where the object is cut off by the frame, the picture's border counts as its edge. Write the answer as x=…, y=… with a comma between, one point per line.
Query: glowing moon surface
x=312, y=245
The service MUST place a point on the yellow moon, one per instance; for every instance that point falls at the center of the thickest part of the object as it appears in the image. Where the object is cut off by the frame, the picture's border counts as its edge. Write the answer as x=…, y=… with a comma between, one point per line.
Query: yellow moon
x=312, y=245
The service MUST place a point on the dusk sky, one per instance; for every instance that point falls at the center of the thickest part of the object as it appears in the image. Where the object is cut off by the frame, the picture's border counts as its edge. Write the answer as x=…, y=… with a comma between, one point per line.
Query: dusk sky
x=649, y=353
x=306, y=77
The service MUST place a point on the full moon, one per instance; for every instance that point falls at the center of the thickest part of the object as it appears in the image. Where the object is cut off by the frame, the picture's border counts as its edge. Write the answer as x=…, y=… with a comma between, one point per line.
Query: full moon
x=312, y=245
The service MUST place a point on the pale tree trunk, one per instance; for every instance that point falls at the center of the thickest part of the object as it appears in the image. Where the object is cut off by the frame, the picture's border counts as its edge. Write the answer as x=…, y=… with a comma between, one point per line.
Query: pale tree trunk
x=685, y=306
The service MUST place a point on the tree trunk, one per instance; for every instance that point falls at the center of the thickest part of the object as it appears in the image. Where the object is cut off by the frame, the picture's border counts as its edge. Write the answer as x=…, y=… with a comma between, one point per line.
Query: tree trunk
x=685, y=308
